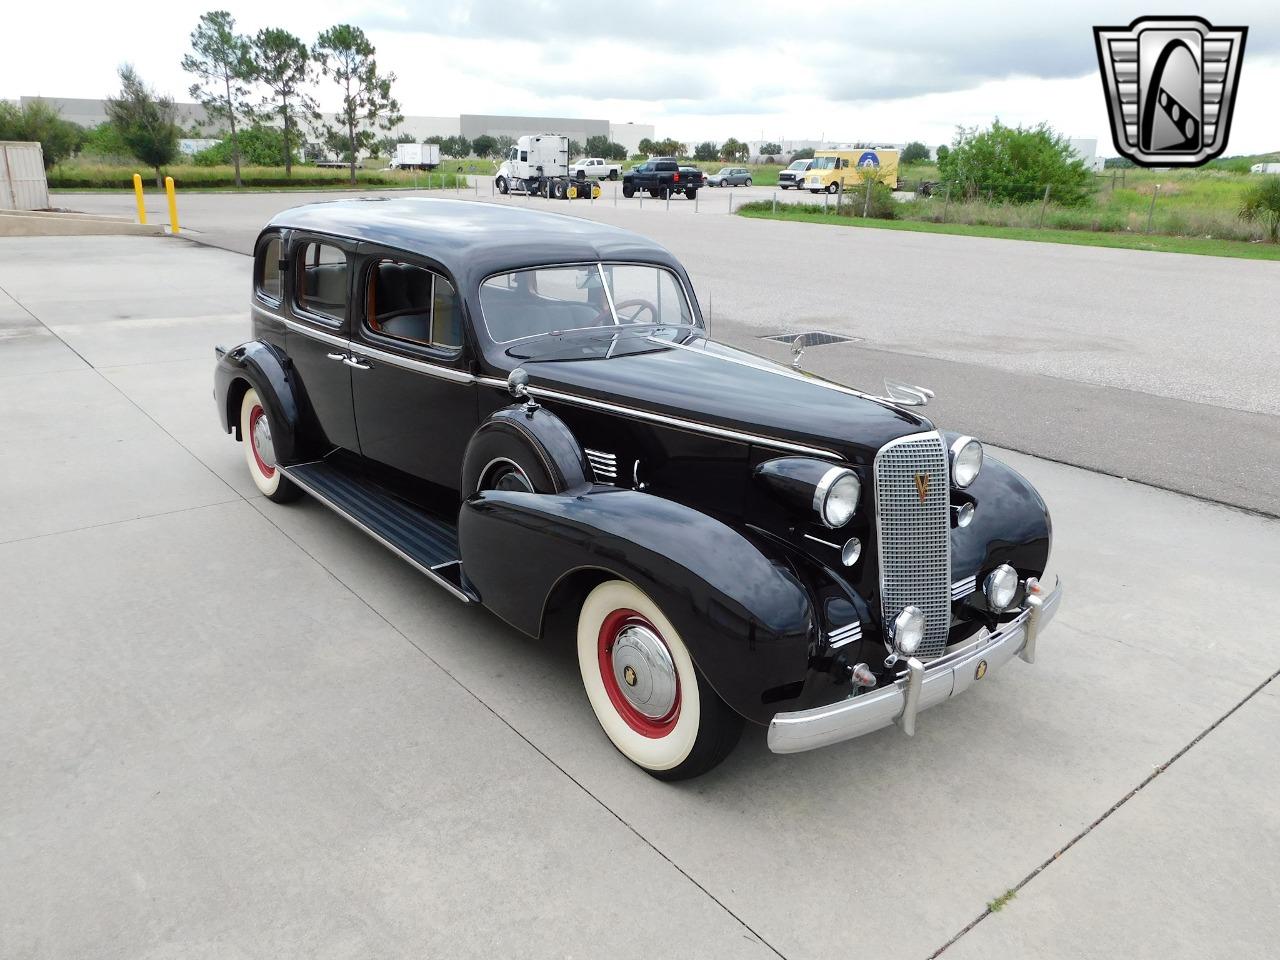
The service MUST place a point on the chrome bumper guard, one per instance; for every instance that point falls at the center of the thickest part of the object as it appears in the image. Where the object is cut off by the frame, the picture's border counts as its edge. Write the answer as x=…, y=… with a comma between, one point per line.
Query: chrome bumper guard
x=922, y=687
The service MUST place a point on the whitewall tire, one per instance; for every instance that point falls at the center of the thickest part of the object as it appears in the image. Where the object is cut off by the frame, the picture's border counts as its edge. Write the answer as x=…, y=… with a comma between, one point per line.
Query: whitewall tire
x=259, y=452
x=648, y=696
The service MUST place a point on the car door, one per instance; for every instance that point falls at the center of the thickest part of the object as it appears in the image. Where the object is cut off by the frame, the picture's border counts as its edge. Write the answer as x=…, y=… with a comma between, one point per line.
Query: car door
x=414, y=395
x=316, y=337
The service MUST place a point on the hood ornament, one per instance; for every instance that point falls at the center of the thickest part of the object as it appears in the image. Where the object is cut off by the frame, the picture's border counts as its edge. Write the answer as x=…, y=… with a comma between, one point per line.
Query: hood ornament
x=905, y=394
x=797, y=351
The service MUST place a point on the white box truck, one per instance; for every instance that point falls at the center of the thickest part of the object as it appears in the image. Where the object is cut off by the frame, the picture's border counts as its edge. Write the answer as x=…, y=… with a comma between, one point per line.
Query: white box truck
x=540, y=165
x=416, y=156
x=1265, y=168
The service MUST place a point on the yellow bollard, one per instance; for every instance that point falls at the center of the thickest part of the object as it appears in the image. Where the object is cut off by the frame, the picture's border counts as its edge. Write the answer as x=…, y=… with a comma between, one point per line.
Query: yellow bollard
x=173, y=204
x=137, y=192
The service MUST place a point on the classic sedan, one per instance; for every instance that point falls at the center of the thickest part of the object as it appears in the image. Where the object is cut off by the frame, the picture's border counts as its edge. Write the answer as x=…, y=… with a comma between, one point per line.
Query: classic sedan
x=529, y=409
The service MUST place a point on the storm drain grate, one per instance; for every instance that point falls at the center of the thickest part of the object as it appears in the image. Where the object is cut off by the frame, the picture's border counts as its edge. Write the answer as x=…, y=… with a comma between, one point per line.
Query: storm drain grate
x=812, y=338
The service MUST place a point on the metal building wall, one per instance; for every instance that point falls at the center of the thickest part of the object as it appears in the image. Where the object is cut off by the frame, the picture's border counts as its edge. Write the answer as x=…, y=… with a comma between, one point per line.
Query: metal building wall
x=22, y=182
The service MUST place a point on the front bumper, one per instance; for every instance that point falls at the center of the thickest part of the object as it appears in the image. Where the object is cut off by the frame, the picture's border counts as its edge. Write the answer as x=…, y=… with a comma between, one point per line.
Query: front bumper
x=921, y=688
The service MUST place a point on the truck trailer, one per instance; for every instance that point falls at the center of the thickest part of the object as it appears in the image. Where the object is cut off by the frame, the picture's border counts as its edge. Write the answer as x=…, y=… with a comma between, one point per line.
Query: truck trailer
x=416, y=156
x=539, y=165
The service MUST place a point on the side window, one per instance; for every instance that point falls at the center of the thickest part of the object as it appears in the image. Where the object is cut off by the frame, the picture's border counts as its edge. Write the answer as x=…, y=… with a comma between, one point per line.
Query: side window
x=414, y=304
x=270, y=280
x=321, y=270
x=524, y=156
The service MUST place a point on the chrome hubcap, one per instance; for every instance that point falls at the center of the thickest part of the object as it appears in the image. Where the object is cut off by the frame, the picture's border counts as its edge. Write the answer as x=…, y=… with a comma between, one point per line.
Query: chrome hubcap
x=262, y=441
x=645, y=672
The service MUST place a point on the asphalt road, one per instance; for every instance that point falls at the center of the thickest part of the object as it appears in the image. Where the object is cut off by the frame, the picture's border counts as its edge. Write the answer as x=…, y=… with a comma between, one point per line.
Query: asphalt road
x=231, y=728
x=1155, y=367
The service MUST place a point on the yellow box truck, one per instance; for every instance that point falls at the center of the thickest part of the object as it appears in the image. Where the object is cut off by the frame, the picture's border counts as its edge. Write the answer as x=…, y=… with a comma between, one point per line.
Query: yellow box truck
x=831, y=168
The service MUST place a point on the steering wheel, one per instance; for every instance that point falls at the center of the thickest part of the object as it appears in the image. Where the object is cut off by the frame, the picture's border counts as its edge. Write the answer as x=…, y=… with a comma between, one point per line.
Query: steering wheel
x=640, y=305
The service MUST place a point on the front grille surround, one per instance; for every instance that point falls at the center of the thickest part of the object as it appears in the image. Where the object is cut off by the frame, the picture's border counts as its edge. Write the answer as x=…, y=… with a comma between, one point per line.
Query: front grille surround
x=914, y=535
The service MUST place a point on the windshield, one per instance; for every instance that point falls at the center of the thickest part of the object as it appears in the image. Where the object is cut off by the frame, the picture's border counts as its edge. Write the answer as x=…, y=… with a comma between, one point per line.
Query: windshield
x=824, y=163
x=552, y=300
x=798, y=165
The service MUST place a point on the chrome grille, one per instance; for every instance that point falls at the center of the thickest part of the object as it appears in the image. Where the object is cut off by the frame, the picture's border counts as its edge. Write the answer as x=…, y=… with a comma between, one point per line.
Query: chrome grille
x=603, y=465
x=915, y=534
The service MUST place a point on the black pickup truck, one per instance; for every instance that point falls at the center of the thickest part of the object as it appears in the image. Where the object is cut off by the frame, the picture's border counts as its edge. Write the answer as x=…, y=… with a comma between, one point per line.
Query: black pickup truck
x=662, y=176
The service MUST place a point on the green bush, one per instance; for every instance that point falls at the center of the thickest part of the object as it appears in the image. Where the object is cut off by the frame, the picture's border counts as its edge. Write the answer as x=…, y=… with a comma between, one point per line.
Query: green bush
x=1015, y=164
x=39, y=122
x=259, y=147
x=1261, y=204
x=79, y=176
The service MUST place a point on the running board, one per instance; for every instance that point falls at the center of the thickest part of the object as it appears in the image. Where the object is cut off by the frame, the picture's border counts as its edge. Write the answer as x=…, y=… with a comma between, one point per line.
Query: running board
x=427, y=543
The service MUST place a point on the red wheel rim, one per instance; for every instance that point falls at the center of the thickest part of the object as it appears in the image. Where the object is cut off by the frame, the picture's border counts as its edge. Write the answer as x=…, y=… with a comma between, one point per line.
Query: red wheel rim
x=613, y=625
x=256, y=414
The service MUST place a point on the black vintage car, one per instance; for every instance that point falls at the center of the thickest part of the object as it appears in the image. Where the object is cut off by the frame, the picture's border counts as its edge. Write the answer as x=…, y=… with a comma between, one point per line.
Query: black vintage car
x=528, y=408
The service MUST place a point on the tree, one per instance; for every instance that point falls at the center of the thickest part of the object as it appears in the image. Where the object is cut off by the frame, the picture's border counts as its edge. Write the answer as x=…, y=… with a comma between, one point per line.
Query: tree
x=575, y=149
x=666, y=148
x=483, y=145
x=616, y=151
x=597, y=146
x=37, y=121
x=506, y=142
x=734, y=150
x=914, y=152
x=1015, y=164
x=104, y=141
x=456, y=147
x=941, y=152
x=145, y=121
x=804, y=154
x=706, y=150
x=221, y=63
x=386, y=146
x=1261, y=204
x=771, y=148
x=282, y=65
x=646, y=146
x=345, y=55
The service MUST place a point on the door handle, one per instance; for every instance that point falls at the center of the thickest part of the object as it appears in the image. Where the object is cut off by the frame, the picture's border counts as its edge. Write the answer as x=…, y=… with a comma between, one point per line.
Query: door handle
x=353, y=362
x=337, y=356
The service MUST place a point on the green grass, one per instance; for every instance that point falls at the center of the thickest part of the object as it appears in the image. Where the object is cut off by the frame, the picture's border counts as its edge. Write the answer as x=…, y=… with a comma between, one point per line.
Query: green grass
x=1000, y=902
x=1129, y=241
x=88, y=176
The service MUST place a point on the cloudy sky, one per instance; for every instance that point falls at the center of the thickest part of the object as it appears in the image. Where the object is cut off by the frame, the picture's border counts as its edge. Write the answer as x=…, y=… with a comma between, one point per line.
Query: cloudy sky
x=696, y=69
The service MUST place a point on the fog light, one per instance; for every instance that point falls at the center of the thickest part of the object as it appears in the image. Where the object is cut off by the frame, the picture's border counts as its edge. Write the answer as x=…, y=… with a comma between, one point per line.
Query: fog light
x=1000, y=586
x=862, y=676
x=963, y=515
x=851, y=551
x=907, y=629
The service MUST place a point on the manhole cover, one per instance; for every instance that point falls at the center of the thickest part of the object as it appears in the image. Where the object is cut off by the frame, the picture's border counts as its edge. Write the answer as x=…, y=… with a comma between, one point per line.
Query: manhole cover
x=812, y=338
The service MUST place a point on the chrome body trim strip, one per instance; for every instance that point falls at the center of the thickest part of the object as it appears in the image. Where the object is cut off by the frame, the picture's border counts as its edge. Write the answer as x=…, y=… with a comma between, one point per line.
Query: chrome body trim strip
x=603, y=465
x=962, y=588
x=950, y=674
x=287, y=471
x=692, y=426
x=844, y=635
x=306, y=331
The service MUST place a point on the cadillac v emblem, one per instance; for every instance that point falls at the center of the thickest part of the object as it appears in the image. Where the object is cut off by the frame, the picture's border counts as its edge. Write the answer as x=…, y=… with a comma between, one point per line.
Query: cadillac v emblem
x=1170, y=84
x=922, y=486
x=981, y=671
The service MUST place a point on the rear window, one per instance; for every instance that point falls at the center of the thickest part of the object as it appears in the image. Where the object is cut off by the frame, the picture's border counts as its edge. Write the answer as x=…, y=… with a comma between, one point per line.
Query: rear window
x=322, y=277
x=270, y=280
x=668, y=165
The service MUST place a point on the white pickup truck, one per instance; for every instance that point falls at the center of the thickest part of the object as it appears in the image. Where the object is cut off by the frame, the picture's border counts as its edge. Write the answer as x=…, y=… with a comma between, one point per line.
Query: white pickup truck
x=595, y=167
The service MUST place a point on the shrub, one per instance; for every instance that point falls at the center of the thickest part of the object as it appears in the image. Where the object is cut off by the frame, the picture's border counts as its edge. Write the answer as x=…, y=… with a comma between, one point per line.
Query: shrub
x=914, y=152
x=78, y=176
x=1261, y=204
x=259, y=146
x=37, y=121
x=1016, y=164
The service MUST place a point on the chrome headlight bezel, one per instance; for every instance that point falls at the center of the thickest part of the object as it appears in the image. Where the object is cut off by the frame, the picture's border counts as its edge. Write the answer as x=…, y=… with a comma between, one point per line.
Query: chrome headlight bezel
x=1000, y=588
x=832, y=501
x=906, y=632
x=960, y=459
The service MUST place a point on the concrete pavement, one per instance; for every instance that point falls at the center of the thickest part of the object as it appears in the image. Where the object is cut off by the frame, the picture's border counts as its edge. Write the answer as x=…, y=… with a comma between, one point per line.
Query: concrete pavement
x=233, y=728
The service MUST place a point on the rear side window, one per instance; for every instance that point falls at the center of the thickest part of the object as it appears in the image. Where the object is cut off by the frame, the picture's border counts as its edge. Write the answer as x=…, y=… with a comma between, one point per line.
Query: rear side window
x=322, y=280
x=413, y=304
x=270, y=280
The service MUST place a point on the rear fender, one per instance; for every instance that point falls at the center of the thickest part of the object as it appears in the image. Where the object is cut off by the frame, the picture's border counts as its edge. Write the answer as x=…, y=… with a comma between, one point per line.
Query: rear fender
x=748, y=621
x=265, y=368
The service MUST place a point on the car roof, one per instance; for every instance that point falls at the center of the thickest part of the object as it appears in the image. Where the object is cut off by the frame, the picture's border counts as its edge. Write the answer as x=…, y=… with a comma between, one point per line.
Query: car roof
x=472, y=240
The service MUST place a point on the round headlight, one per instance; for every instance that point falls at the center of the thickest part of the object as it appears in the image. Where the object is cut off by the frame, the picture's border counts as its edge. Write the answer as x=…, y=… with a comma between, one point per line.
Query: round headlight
x=966, y=461
x=1000, y=586
x=836, y=496
x=851, y=551
x=907, y=630
x=964, y=515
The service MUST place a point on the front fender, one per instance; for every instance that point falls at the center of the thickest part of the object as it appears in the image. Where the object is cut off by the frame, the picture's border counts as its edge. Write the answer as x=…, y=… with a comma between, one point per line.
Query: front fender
x=264, y=367
x=747, y=620
x=1011, y=524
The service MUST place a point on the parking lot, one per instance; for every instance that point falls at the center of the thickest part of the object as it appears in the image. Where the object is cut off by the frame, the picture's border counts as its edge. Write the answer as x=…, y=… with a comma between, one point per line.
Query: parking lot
x=238, y=729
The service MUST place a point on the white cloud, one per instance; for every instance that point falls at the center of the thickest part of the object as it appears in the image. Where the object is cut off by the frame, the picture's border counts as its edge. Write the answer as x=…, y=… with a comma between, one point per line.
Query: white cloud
x=709, y=69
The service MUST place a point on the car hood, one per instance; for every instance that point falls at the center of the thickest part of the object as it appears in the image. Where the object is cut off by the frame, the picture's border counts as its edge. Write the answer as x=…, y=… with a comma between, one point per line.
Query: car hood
x=720, y=386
